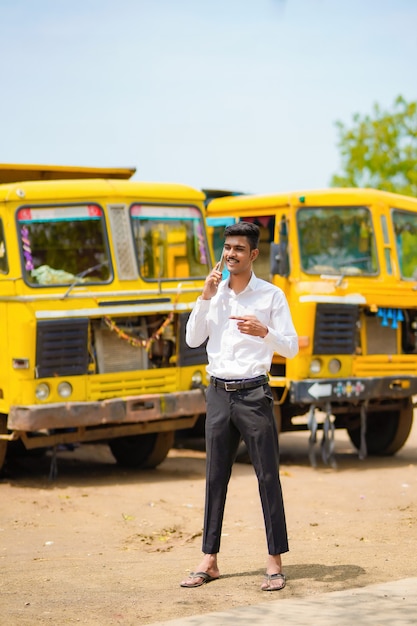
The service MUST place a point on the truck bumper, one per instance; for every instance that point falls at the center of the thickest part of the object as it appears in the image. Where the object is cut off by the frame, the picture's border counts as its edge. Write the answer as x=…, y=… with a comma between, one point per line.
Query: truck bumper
x=354, y=390
x=144, y=408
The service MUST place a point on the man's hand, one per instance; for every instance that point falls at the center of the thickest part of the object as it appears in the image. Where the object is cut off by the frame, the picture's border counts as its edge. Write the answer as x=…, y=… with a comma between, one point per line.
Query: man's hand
x=250, y=325
x=212, y=283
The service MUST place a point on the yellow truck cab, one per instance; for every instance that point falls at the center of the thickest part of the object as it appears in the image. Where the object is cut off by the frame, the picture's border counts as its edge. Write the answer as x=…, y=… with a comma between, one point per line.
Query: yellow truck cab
x=98, y=274
x=347, y=262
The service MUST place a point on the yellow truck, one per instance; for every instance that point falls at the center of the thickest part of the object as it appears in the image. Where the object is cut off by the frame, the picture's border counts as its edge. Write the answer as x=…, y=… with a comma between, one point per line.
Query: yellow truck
x=98, y=274
x=347, y=262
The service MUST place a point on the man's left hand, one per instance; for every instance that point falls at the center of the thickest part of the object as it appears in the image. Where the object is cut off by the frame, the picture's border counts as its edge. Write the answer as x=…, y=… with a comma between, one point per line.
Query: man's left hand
x=250, y=325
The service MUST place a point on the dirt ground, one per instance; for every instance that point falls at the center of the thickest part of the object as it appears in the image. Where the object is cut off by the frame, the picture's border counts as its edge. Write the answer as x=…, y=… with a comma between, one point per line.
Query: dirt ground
x=102, y=545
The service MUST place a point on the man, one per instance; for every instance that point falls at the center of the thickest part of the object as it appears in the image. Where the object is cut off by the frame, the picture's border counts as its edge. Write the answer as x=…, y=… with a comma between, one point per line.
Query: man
x=245, y=320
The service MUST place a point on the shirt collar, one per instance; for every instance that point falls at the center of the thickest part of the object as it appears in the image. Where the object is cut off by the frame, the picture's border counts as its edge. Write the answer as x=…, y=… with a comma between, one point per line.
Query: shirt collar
x=253, y=281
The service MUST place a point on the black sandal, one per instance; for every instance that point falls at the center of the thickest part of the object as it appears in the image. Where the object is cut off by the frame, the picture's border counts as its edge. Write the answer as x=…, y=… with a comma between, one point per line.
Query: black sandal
x=269, y=577
x=194, y=576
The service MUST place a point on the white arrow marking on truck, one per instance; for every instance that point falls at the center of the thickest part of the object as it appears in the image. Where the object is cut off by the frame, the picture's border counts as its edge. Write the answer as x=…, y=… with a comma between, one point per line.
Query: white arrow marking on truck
x=320, y=391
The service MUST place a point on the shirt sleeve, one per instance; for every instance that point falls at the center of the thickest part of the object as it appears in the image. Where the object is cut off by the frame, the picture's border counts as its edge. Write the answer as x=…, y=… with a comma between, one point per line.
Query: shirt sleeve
x=197, y=327
x=282, y=336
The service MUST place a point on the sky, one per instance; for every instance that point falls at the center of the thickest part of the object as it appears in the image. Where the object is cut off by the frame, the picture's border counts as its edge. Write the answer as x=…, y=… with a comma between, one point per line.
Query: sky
x=228, y=94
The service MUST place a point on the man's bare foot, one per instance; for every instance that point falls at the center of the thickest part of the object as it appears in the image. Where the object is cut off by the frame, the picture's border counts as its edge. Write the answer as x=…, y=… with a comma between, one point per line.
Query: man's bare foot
x=205, y=572
x=274, y=578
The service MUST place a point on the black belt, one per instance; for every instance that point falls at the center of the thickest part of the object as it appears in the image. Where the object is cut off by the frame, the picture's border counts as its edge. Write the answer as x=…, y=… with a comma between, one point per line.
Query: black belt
x=243, y=383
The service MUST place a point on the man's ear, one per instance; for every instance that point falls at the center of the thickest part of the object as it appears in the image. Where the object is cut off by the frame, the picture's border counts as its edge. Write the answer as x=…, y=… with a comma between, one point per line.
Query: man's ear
x=254, y=254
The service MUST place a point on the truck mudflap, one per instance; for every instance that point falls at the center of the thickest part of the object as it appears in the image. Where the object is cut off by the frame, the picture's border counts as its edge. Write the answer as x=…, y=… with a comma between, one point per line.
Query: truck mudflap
x=321, y=391
x=131, y=410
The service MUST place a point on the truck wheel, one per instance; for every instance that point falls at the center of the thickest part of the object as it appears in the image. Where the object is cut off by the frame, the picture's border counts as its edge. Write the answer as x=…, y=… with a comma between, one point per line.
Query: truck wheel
x=142, y=451
x=3, y=444
x=387, y=431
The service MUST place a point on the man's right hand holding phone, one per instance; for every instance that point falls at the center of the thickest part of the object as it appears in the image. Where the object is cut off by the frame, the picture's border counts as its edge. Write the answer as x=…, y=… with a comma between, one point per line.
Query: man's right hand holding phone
x=212, y=282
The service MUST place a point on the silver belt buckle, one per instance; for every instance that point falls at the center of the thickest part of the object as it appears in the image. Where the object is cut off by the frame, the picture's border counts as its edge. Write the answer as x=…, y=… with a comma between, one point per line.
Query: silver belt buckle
x=227, y=388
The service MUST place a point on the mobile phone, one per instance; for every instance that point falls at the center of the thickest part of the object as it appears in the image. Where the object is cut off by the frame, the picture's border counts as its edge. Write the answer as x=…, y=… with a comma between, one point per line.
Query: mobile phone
x=221, y=262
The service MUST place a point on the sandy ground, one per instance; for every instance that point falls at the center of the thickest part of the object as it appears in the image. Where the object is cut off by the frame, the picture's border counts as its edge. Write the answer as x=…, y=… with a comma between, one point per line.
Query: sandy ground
x=102, y=545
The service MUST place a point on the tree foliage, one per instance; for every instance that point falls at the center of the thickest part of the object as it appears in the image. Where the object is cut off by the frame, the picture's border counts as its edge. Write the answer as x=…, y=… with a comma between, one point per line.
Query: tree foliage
x=380, y=150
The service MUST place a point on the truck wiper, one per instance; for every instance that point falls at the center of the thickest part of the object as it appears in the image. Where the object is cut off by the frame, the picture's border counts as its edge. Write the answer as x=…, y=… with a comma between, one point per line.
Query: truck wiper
x=81, y=275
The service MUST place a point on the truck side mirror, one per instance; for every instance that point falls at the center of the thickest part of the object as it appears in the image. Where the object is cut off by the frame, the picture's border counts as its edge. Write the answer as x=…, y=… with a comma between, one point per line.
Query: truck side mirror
x=274, y=258
x=279, y=261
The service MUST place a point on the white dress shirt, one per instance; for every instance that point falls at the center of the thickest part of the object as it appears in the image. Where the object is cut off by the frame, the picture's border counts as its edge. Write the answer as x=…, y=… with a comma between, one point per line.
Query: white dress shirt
x=231, y=354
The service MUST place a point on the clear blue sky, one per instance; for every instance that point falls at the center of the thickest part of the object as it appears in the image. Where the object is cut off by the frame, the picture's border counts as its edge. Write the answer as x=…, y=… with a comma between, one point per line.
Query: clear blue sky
x=236, y=94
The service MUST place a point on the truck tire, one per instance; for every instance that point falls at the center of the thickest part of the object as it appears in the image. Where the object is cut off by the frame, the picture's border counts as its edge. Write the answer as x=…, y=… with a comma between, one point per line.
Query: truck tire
x=3, y=444
x=387, y=431
x=142, y=451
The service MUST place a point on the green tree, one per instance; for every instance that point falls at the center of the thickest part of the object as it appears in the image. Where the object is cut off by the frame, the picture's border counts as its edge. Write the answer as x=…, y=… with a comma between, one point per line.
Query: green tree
x=380, y=150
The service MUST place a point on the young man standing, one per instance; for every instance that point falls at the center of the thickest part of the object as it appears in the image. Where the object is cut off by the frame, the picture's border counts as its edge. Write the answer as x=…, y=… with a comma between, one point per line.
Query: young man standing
x=245, y=320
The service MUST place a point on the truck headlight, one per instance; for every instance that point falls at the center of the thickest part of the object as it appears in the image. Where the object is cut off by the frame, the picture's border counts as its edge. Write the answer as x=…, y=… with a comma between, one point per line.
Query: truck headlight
x=315, y=366
x=42, y=391
x=334, y=366
x=196, y=380
x=64, y=390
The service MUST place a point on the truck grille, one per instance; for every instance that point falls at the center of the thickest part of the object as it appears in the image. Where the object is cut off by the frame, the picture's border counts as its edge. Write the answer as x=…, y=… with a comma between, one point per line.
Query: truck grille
x=62, y=347
x=128, y=384
x=335, y=328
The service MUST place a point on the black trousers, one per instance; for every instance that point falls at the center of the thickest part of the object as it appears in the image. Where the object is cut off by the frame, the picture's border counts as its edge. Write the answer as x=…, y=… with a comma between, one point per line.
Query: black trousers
x=248, y=414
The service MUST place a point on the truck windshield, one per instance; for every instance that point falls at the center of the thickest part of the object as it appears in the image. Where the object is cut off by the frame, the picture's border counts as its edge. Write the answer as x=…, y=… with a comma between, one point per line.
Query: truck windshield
x=63, y=245
x=337, y=240
x=170, y=242
x=405, y=229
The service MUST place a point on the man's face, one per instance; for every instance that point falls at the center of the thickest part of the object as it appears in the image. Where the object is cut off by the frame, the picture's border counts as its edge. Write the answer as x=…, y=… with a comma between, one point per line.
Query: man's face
x=237, y=254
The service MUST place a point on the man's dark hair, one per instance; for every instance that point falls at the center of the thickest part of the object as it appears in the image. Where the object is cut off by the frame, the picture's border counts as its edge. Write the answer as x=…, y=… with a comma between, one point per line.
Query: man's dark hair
x=244, y=229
